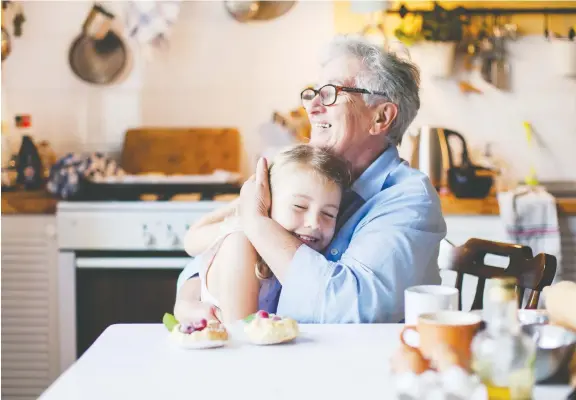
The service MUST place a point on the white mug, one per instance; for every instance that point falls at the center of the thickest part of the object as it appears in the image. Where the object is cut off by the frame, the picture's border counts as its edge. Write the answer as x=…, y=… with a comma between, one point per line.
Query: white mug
x=427, y=299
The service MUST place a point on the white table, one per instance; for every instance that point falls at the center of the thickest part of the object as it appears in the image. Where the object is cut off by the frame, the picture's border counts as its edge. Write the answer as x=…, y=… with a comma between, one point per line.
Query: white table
x=326, y=362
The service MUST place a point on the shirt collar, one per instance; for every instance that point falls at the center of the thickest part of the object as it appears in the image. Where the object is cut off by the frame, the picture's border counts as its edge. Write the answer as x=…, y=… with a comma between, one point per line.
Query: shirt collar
x=372, y=180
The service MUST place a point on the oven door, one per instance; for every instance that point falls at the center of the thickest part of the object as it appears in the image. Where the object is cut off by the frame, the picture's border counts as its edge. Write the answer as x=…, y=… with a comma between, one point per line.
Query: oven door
x=123, y=287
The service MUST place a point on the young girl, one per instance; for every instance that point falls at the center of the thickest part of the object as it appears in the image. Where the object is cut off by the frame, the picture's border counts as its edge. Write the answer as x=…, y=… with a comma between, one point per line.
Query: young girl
x=306, y=187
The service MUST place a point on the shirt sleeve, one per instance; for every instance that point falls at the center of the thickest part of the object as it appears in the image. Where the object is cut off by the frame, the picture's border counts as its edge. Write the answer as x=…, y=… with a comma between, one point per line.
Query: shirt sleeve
x=397, y=248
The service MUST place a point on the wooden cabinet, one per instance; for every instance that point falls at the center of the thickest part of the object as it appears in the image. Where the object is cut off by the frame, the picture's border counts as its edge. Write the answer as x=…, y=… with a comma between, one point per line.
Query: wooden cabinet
x=29, y=305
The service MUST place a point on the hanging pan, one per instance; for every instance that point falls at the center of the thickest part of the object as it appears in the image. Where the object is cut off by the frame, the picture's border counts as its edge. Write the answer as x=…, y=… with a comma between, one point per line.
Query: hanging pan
x=98, y=55
x=245, y=11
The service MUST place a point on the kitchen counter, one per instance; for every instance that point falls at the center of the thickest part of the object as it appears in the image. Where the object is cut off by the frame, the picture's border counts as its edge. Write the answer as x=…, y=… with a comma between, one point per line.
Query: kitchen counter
x=28, y=202
x=489, y=206
x=40, y=202
x=139, y=361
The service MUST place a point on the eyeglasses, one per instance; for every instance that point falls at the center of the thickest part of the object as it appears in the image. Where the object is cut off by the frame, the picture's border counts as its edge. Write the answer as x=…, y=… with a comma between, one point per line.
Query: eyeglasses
x=329, y=94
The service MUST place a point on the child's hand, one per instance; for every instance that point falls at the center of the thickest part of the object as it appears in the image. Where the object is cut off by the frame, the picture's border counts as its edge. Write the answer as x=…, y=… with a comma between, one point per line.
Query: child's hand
x=255, y=197
x=188, y=311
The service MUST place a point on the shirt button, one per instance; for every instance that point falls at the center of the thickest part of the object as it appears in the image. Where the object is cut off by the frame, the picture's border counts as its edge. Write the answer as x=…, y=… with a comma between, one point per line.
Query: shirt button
x=334, y=252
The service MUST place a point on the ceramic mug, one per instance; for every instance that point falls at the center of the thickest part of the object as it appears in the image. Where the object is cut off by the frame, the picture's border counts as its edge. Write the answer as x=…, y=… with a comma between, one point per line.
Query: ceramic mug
x=452, y=330
x=426, y=299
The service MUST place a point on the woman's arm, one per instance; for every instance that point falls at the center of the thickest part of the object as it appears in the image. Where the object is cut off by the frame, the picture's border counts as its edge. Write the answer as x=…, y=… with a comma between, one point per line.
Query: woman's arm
x=207, y=229
x=231, y=278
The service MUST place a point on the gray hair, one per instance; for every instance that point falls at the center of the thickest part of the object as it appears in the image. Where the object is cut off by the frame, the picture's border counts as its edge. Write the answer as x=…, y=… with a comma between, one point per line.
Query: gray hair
x=383, y=72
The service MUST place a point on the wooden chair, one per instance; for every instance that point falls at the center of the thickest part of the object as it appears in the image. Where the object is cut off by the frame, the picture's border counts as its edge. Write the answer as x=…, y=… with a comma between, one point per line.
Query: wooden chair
x=532, y=273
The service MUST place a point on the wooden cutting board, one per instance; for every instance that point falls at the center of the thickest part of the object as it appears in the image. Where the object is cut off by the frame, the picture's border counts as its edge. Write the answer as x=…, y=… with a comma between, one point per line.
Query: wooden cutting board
x=181, y=150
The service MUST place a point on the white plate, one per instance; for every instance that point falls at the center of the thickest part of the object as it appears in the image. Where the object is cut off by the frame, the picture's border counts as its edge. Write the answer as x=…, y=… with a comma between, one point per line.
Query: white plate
x=270, y=343
x=207, y=344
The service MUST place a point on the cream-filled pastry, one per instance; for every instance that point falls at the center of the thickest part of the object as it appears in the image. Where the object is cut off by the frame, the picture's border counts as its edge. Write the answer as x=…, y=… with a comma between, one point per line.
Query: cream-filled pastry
x=200, y=335
x=266, y=328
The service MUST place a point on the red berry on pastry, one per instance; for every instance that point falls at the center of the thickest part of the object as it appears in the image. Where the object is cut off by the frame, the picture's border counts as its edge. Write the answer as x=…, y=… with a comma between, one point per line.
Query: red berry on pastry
x=262, y=314
x=200, y=325
x=186, y=328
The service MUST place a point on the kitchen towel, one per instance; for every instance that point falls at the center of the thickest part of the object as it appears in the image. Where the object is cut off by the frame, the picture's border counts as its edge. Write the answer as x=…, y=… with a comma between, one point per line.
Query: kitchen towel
x=150, y=22
x=530, y=218
x=67, y=174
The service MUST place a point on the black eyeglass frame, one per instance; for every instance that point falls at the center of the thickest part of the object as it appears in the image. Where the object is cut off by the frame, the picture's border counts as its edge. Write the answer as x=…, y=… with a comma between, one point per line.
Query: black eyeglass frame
x=338, y=89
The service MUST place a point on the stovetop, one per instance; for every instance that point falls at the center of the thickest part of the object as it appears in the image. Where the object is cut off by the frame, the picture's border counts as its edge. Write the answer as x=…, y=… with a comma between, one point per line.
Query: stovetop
x=163, y=191
x=80, y=207
x=128, y=226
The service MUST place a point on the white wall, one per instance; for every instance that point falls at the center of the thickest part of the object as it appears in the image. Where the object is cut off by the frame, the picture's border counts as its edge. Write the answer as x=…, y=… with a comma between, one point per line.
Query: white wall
x=219, y=72
x=538, y=95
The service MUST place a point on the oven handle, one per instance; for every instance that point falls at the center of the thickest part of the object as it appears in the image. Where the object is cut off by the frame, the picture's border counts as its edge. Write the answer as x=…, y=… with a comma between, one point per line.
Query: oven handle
x=133, y=262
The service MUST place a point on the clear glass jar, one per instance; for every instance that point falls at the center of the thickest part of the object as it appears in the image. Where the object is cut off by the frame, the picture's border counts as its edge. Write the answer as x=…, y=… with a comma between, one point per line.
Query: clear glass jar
x=503, y=356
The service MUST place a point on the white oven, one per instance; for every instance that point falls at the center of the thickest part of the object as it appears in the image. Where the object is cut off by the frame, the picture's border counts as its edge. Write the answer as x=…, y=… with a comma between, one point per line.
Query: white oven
x=118, y=263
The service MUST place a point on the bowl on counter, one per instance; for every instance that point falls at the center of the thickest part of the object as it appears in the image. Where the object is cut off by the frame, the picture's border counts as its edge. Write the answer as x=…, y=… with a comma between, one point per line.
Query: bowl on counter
x=555, y=348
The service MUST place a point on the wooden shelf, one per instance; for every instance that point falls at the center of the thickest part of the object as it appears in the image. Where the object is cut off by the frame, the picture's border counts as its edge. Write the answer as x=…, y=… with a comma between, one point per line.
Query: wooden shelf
x=478, y=11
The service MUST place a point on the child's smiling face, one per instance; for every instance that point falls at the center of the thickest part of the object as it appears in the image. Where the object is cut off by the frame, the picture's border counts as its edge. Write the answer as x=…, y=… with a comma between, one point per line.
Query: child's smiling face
x=306, y=204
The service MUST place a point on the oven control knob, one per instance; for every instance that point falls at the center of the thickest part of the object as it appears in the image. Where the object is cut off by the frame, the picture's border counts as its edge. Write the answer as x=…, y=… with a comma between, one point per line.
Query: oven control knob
x=149, y=239
x=173, y=237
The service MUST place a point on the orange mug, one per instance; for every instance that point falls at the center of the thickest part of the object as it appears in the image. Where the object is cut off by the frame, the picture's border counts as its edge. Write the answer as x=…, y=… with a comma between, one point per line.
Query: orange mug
x=453, y=330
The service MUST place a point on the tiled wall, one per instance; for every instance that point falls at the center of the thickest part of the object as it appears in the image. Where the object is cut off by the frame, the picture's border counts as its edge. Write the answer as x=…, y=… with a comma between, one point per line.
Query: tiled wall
x=219, y=72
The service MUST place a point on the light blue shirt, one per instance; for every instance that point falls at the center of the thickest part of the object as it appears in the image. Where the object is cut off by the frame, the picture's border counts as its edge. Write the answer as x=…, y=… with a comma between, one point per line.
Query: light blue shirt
x=389, y=240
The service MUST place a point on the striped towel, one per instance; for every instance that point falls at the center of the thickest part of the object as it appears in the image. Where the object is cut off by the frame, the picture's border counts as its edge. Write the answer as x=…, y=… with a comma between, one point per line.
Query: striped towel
x=531, y=219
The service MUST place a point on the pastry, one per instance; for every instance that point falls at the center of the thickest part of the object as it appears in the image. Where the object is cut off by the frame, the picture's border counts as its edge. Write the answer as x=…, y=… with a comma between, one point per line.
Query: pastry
x=263, y=328
x=201, y=334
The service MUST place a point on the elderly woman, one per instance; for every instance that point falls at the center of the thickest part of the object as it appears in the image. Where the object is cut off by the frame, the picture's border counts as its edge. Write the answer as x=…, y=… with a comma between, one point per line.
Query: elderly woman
x=390, y=223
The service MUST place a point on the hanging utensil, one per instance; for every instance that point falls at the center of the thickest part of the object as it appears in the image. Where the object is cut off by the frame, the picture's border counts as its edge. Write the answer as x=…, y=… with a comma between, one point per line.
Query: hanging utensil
x=242, y=11
x=546, y=30
x=98, y=55
x=500, y=68
x=511, y=29
x=6, y=44
x=6, y=39
x=18, y=20
x=245, y=11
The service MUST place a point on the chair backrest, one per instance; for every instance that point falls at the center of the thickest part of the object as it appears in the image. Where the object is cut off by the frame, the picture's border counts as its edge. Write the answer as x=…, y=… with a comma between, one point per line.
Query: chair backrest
x=532, y=273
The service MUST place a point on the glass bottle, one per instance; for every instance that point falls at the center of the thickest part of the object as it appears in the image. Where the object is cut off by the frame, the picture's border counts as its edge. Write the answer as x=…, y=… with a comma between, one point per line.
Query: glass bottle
x=503, y=356
x=30, y=171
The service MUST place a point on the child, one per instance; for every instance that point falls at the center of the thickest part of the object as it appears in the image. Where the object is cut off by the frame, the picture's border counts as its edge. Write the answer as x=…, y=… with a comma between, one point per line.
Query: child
x=306, y=189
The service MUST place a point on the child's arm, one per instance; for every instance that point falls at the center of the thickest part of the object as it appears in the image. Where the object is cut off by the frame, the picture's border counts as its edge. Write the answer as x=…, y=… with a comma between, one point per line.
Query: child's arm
x=188, y=307
x=207, y=229
x=231, y=278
